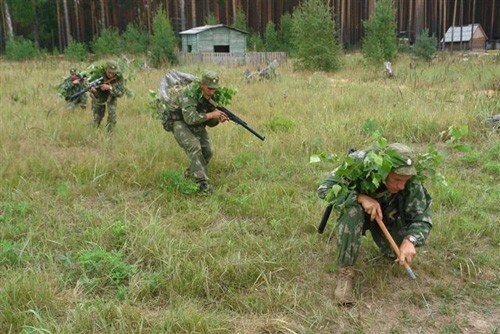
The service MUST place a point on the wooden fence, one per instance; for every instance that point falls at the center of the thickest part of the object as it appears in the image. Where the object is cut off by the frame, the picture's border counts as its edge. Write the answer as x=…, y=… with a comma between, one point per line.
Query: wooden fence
x=254, y=59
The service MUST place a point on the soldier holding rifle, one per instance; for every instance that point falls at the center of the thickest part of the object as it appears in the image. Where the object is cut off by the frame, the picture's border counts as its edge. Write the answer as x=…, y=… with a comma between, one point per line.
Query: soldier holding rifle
x=107, y=93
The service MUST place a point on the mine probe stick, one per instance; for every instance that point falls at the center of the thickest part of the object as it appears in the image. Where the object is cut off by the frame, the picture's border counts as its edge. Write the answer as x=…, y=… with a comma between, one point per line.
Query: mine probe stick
x=394, y=247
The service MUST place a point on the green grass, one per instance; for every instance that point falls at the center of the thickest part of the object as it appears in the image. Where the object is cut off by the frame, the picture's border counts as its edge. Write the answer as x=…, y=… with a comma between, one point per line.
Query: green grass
x=101, y=233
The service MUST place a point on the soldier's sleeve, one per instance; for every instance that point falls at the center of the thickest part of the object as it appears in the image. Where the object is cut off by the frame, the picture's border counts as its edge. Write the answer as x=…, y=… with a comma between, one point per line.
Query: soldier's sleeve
x=189, y=113
x=417, y=213
x=118, y=88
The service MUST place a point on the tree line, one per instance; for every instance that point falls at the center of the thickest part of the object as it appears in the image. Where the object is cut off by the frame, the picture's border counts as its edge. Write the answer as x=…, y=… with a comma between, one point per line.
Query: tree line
x=53, y=24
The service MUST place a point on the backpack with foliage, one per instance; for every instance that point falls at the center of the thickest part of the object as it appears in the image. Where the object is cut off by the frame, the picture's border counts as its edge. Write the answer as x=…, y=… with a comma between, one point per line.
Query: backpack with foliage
x=169, y=95
x=174, y=88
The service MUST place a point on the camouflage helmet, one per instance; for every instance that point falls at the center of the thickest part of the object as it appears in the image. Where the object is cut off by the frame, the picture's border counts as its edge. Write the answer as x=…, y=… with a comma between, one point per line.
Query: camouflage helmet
x=73, y=71
x=210, y=79
x=407, y=165
x=112, y=66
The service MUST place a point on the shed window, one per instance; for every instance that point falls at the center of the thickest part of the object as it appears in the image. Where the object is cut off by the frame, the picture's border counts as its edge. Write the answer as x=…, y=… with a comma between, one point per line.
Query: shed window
x=190, y=48
x=221, y=48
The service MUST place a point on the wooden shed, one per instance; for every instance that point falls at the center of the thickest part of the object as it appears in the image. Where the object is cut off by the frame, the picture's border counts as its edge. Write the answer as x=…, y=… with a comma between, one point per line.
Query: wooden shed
x=471, y=37
x=214, y=38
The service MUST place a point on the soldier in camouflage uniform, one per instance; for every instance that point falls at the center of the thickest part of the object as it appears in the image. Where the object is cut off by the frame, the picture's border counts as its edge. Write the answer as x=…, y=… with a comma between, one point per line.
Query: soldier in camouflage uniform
x=74, y=83
x=189, y=123
x=403, y=204
x=107, y=93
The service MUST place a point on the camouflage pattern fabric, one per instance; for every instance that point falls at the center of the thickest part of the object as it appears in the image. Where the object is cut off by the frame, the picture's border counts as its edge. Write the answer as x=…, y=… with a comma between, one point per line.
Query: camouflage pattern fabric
x=68, y=88
x=101, y=99
x=99, y=109
x=404, y=213
x=189, y=131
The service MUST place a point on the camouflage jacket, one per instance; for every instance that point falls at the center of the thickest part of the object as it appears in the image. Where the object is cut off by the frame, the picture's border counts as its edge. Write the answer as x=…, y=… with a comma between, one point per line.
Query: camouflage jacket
x=193, y=110
x=409, y=209
x=68, y=88
x=118, y=84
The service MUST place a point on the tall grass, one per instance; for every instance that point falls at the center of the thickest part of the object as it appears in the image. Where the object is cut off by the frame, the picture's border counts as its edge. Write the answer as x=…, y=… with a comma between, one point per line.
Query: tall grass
x=97, y=236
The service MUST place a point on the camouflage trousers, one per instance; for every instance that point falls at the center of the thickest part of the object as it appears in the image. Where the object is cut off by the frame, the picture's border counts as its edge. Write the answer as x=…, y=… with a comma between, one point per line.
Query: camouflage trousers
x=79, y=102
x=99, y=108
x=198, y=147
x=350, y=227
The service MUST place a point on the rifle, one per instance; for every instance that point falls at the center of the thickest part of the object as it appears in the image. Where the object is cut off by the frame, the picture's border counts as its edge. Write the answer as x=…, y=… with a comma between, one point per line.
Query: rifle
x=97, y=82
x=328, y=210
x=237, y=120
x=324, y=218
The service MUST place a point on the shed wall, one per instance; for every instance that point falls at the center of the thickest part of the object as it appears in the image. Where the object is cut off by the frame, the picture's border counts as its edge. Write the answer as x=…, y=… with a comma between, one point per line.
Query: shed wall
x=204, y=41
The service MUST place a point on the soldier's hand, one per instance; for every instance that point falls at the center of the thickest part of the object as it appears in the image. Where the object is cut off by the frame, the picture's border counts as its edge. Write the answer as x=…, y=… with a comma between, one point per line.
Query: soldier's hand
x=370, y=206
x=218, y=115
x=76, y=81
x=106, y=87
x=407, y=252
x=92, y=90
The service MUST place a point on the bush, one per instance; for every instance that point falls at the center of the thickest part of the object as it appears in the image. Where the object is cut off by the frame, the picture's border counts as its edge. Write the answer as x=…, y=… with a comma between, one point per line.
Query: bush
x=285, y=33
x=108, y=42
x=135, y=40
x=76, y=51
x=210, y=19
x=380, y=43
x=271, y=38
x=19, y=48
x=255, y=42
x=425, y=45
x=314, y=37
x=163, y=41
x=240, y=21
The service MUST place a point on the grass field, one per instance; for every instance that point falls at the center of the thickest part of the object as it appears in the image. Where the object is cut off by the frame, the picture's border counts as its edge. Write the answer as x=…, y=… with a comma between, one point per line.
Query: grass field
x=98, y=232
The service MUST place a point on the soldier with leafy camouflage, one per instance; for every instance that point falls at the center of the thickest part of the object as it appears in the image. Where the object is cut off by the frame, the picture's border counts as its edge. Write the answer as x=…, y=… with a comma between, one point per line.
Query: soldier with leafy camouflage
x=190, y=116
x=74, y=83
x=107, y=94
x=401, y=201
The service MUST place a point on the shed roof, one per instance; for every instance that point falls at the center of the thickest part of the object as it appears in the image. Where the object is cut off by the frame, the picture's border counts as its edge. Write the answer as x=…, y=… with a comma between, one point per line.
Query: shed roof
x=196, y=30
x=466, y=32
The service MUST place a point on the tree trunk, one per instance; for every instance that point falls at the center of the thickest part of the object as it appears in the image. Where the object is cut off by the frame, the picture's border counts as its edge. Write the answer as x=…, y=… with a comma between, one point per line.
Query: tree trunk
x=419, y=16
x=77, y=21
x=258, y=14
x=103, y=15
x=193, y=12
x=116, y=10
x=9, y=30
x=269, y=11
x=66, y=22
x=235, y=6
x=93, y=19
x=148, y=15
x=492, y=24
x=183, y=14
x=227, y=12
x=216, y=11
x=36, y=35
x=453, y=25
x=473, y=19
x=59, y=26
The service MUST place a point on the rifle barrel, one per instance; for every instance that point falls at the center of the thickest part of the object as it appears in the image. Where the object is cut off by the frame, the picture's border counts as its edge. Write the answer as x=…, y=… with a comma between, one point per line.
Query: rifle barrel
x=241, y=122
x=324, y=219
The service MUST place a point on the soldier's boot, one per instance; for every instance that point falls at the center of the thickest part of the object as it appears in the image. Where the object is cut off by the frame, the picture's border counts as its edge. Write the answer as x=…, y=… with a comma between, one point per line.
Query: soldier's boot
x=344, y=291
x=205, y=188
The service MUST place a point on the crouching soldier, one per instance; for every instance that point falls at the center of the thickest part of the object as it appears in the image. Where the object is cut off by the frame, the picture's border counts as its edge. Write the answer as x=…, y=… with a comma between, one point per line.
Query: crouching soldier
x=403, y=204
